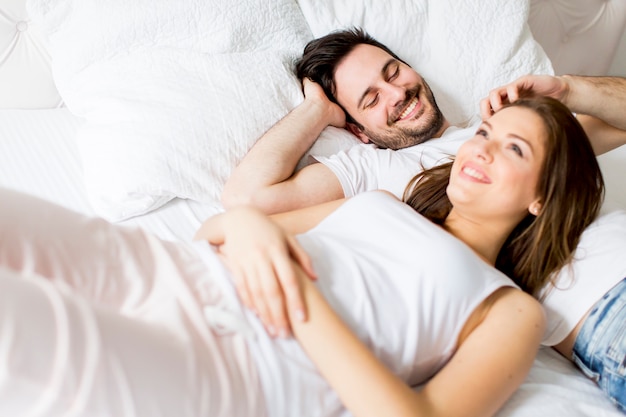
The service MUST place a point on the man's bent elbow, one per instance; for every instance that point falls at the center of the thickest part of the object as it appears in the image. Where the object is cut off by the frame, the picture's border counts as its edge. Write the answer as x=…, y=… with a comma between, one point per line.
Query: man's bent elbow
x=257, y=199
x=230, y=199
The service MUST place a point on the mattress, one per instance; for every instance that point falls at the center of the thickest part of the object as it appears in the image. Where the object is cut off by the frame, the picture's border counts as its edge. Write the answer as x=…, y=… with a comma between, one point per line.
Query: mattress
x=38, y=155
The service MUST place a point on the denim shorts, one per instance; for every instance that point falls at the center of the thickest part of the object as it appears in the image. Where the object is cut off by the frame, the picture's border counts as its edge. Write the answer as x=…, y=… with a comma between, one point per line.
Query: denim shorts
x=600, y=347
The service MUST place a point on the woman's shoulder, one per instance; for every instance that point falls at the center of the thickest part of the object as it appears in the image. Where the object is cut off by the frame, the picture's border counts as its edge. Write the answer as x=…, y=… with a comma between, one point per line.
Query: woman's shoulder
x=517, y=306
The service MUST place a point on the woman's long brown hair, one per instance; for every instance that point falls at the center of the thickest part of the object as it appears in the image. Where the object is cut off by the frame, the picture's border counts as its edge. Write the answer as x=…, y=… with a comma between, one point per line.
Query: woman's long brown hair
x=570, y=188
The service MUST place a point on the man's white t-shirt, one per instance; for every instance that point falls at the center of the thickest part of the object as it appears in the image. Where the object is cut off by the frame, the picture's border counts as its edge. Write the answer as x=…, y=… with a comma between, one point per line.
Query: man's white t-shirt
x=366, y=167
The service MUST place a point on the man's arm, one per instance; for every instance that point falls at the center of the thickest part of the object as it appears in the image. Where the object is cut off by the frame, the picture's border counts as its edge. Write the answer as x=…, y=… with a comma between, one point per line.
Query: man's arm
x=599, y=103
x=600, y=97
x=265, y=177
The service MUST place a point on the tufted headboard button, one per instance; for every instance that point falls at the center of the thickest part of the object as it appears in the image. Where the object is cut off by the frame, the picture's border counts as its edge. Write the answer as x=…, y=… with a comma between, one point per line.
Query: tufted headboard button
x=25, y=74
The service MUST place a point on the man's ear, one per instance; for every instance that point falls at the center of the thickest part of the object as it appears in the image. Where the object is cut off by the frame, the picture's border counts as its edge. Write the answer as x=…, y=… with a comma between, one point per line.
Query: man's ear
x=356, y=131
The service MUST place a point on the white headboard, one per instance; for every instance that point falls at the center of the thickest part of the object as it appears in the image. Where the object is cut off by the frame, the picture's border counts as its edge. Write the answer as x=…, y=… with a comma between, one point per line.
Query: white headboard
x=579, y=36
x=25, y=75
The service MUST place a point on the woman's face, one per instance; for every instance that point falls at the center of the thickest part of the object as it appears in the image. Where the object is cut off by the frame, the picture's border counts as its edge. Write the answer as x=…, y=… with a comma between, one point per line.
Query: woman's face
x=496, y=172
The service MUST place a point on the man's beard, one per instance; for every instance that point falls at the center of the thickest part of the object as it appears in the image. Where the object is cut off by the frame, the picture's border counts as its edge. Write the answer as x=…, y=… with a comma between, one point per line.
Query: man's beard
x=404, y=136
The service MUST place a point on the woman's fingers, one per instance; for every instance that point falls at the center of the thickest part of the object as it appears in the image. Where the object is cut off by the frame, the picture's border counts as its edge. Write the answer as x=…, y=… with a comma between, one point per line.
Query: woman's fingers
x=271, y=299
x=301, y=257
x=267, y=265
x=291, y=289
x=276, y=294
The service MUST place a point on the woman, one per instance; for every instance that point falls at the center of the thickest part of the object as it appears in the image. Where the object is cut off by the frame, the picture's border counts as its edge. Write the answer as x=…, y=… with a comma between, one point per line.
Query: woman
x=398, y=300
x=585, y=303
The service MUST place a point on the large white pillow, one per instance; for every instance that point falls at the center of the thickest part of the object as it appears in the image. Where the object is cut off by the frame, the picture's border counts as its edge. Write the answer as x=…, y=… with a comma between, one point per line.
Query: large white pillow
x=462, y=48
x=173, y=93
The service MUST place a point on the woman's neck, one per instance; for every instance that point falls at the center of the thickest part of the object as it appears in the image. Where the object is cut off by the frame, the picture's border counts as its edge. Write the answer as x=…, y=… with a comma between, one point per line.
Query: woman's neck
x=485, y=237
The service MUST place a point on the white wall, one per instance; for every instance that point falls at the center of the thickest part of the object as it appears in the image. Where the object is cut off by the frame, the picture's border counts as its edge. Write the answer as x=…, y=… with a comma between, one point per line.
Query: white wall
x=619, y=62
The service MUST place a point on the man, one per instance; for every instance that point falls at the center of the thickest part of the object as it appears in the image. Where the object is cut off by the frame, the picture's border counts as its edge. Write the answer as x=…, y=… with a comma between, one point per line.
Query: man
x=361, y=85
x=384, y=99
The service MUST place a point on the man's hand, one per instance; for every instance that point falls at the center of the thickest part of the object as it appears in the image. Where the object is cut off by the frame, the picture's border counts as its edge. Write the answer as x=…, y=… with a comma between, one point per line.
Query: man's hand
x=314, y=92
x=542, y=85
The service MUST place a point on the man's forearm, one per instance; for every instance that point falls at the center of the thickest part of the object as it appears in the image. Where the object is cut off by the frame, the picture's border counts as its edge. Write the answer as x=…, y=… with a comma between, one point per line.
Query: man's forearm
x=601, y=97
x=275, y=156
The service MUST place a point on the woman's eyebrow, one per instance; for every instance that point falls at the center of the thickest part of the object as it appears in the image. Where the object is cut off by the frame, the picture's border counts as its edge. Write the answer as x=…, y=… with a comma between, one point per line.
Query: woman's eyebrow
x=510, y=135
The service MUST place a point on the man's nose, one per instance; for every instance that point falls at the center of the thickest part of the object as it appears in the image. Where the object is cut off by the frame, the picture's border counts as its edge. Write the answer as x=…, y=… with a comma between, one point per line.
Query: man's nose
x=396, y=94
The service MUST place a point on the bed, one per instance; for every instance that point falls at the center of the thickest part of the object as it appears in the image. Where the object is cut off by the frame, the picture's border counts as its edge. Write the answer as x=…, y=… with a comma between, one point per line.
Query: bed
x=138, y=111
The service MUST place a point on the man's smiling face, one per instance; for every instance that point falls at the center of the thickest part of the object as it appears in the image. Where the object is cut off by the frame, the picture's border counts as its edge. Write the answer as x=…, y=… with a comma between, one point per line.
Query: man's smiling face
x=393, y=105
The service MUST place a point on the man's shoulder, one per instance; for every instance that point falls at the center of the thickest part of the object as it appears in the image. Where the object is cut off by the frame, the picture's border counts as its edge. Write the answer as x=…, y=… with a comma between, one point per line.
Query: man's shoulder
x=459, y=133
x=449, y=141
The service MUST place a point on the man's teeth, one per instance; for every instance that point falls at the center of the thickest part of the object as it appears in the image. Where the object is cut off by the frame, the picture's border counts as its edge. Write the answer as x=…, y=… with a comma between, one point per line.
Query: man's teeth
x=409, y=109
x=473, y=173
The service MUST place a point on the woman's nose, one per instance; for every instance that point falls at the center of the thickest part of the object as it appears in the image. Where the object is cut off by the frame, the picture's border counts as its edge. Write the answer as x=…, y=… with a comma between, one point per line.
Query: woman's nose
x=484, y=151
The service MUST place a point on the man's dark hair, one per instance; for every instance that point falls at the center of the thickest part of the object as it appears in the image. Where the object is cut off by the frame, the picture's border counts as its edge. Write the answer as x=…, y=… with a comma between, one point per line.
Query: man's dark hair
x=322, y=55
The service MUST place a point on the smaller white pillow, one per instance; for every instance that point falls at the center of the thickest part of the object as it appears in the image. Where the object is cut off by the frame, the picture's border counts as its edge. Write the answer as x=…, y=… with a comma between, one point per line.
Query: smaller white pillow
x=173, y=93
x=163, y=131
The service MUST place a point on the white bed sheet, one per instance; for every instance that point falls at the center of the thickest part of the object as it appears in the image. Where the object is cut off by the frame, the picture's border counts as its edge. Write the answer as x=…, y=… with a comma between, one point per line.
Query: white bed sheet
x=38, y=155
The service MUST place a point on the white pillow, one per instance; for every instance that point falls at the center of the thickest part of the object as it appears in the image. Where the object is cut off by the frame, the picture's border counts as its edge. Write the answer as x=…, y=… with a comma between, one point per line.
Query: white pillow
x=174, y=93
x=462, y=48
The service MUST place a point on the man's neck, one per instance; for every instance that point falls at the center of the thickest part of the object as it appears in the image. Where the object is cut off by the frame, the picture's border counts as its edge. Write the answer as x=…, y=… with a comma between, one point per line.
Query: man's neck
x=443, y=128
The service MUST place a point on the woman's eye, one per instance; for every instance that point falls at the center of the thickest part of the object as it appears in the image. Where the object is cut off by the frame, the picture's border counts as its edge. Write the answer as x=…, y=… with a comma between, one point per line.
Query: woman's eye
x=481, y=132
x=517, y=150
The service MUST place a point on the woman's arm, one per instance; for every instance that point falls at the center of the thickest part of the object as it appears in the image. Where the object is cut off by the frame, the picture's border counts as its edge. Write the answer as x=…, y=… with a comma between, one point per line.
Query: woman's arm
x=258, y=251
x=493, y=360
x=489, y=365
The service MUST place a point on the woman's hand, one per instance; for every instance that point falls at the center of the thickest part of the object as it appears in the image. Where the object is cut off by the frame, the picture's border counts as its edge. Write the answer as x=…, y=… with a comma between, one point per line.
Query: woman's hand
x=259, y=254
